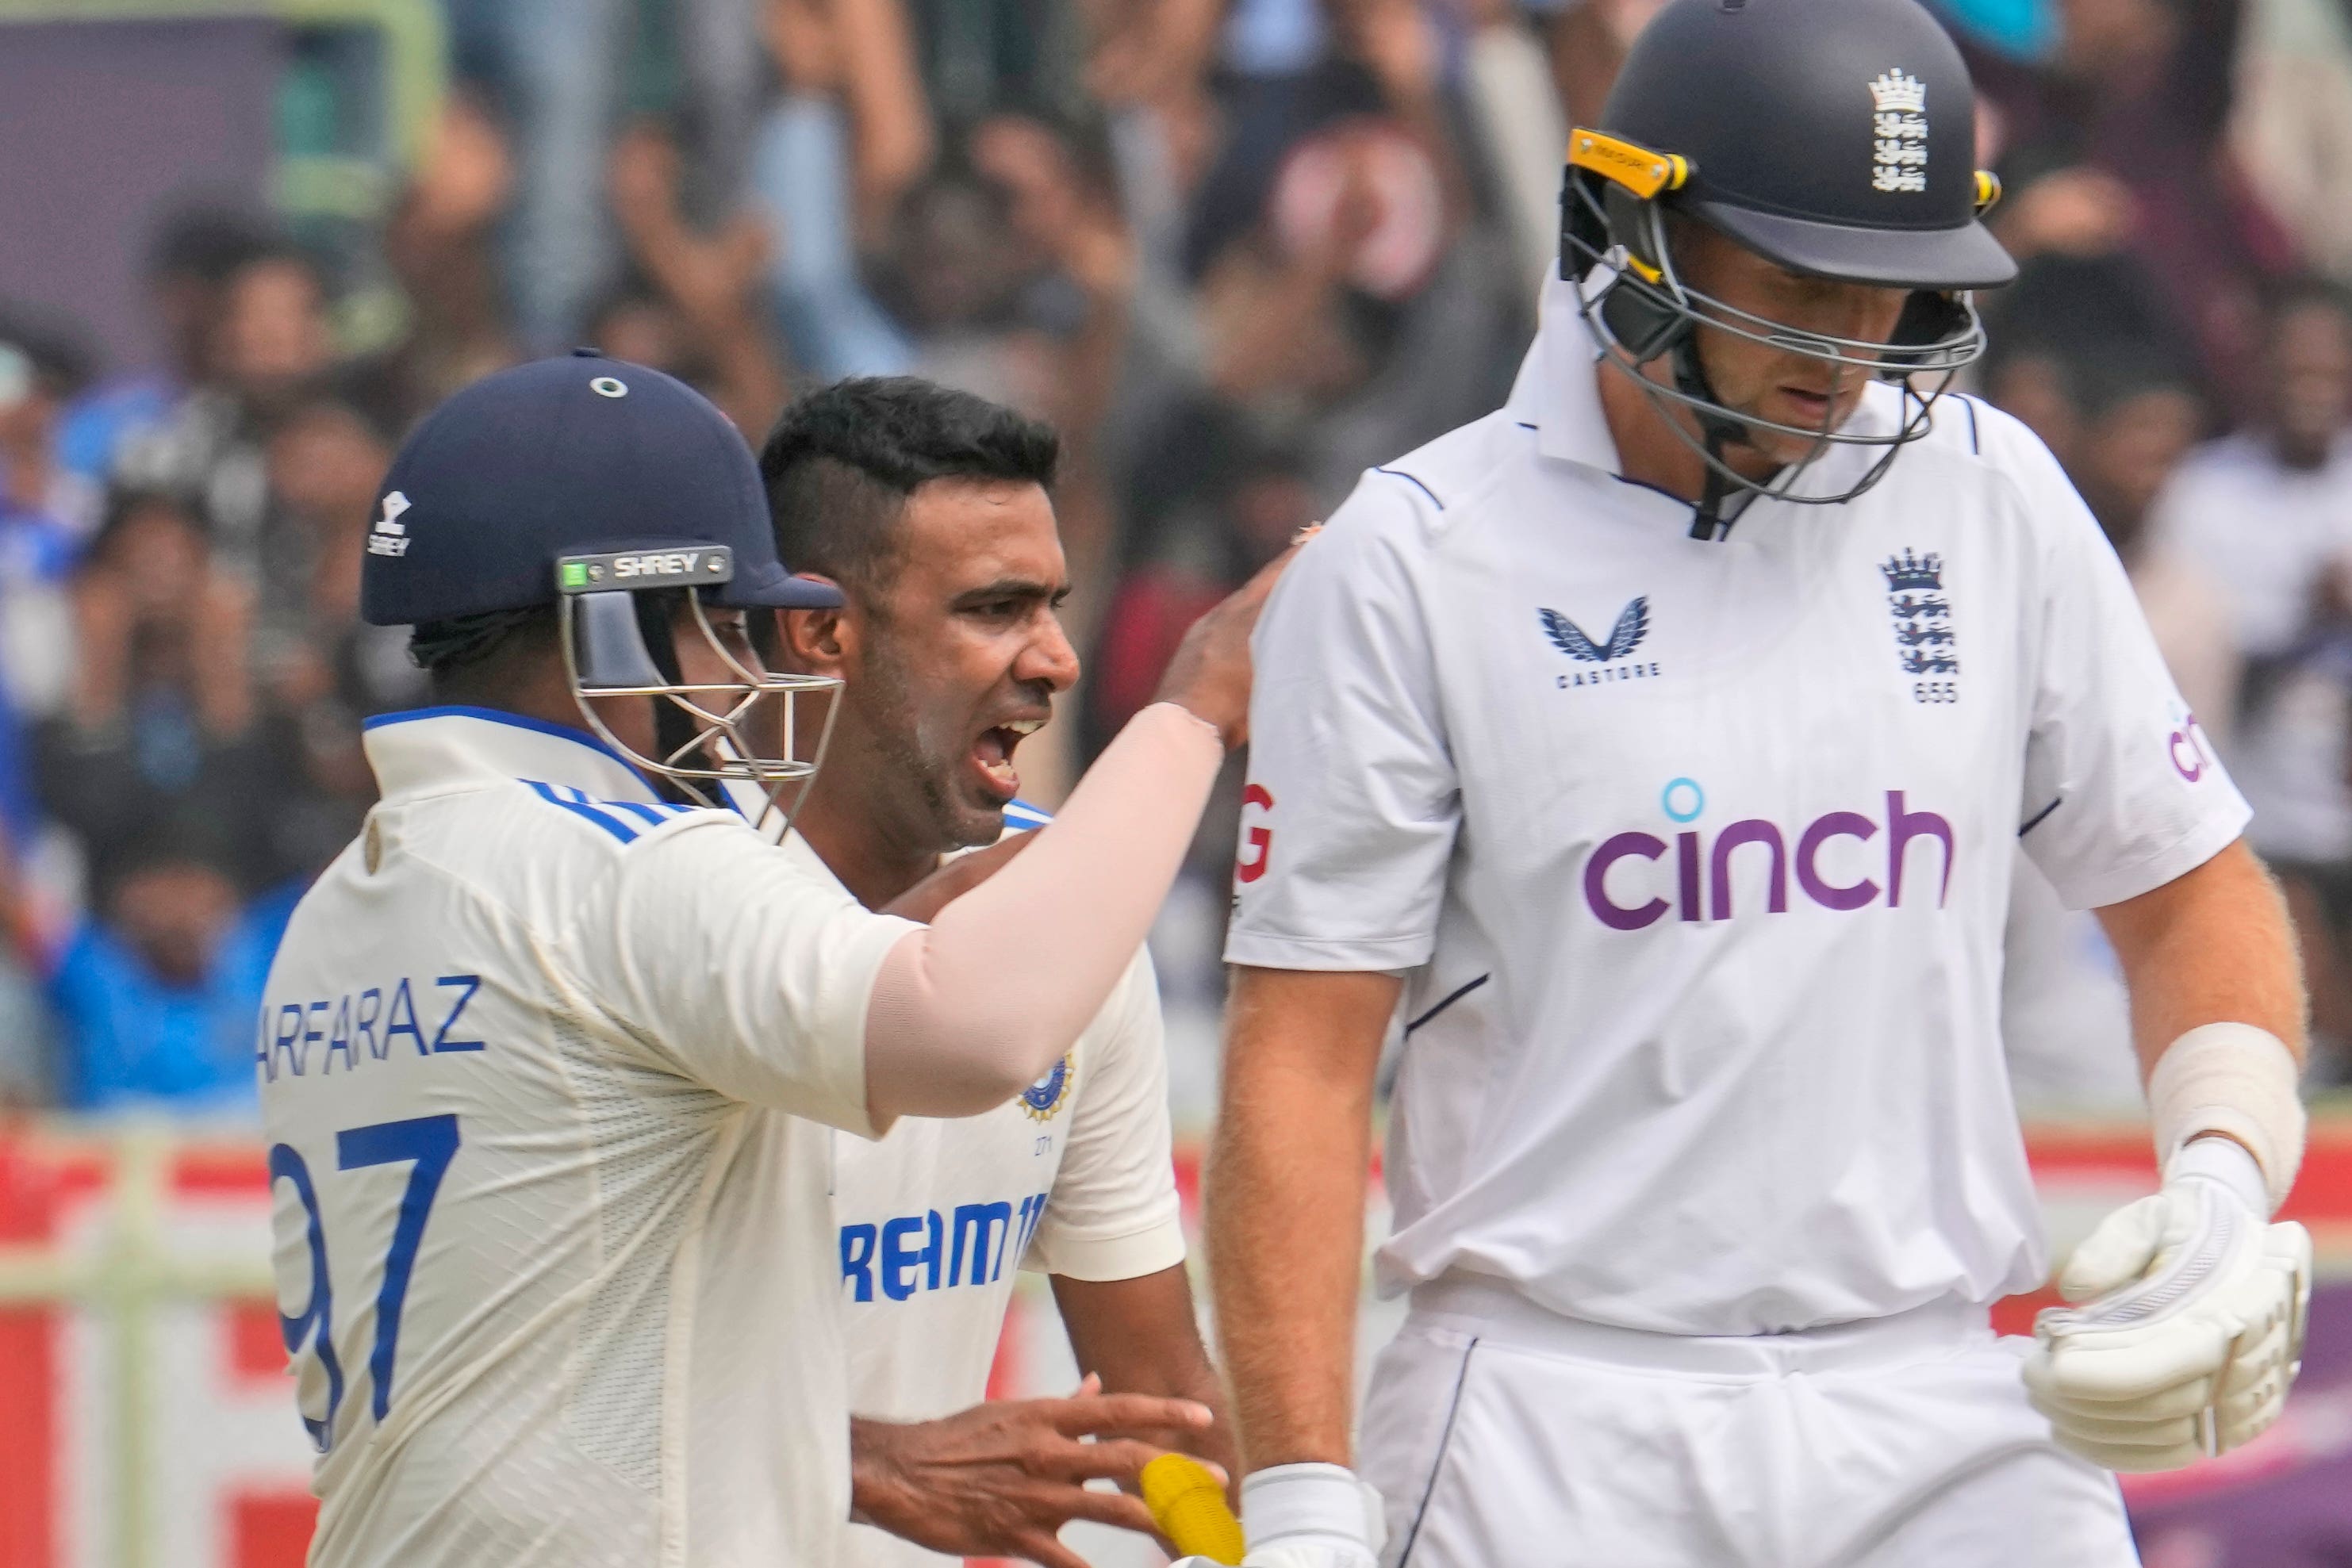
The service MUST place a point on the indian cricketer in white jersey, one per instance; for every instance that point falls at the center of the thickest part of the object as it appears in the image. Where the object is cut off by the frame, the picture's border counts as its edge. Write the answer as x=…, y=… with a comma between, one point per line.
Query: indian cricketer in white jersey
x=1652, y=750
x=931, y=510
x=550, y=1055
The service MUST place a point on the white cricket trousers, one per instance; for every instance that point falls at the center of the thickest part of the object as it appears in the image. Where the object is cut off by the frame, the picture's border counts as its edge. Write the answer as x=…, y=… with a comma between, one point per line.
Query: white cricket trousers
x=1504, y=1436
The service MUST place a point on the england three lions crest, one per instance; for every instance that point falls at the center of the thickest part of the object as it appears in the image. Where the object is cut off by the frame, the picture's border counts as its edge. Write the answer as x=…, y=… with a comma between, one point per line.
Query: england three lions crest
x=1925, y=644
x=1898, y=125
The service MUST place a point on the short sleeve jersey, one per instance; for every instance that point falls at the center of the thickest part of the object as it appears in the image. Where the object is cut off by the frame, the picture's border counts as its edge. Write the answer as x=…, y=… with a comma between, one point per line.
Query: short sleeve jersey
x=1696, y=854
x=932, y=1221
x=548, y=1067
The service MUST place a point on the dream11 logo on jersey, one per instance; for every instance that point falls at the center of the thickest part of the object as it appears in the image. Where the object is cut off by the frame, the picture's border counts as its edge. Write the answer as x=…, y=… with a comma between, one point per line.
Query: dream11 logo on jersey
x=1702, y=883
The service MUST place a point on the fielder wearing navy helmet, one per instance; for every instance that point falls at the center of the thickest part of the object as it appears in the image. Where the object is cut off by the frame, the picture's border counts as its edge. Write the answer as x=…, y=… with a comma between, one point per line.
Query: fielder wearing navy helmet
x=1747, y=118
x=551, y=1060
x=604, y=497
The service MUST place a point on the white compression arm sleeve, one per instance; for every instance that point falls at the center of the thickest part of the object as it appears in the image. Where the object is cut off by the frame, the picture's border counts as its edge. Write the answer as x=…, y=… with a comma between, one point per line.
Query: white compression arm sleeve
x=975, y=1007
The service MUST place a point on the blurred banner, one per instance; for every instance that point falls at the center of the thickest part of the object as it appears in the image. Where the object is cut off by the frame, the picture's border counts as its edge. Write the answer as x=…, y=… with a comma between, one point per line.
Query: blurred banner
x=107, y=126
x=148, y=1422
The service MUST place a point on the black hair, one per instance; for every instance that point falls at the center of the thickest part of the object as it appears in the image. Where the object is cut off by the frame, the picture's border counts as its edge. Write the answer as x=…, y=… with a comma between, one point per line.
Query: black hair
x=2307, y=291
x=283, y=251
x=208, y=242
x=842, y=461
x=455, y=652
x=2131, y=370
x=53, y=343
x=124, y=502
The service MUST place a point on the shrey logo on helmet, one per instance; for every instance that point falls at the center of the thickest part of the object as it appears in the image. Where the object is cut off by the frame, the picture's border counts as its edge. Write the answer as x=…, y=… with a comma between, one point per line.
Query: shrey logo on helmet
x=557, y=486
x=1899, y=133
x=390, y=535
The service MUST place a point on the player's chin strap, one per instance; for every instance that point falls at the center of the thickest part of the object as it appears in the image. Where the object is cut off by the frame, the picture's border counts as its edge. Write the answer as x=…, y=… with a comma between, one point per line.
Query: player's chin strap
x=1719, y=431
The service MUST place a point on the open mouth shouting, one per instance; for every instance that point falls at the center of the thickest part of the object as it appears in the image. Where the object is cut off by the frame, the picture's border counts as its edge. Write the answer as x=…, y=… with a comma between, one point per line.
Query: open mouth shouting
x=992, y=756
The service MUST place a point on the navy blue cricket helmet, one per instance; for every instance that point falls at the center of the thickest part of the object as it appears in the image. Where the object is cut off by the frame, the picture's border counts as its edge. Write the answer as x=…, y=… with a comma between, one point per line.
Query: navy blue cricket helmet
x=622, y=498
x=1835, y=139
x=560, y=458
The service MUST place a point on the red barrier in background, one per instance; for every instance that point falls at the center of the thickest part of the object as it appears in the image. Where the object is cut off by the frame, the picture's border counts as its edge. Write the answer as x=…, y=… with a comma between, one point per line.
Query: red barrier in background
x=262, y=1519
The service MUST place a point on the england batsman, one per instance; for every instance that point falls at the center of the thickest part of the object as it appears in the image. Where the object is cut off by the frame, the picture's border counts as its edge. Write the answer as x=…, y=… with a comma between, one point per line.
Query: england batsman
x=1652, y=751
x=932, y=511
x=550, y=1054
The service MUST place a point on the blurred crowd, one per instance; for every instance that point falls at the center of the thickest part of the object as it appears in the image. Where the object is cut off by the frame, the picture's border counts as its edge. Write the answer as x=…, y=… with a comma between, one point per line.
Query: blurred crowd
x=1237, y=250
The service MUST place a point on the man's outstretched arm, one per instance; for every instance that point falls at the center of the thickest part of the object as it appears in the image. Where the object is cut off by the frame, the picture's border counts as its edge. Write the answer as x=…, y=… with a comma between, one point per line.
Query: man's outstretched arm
x=1286, y=1203
x=1142, y=1336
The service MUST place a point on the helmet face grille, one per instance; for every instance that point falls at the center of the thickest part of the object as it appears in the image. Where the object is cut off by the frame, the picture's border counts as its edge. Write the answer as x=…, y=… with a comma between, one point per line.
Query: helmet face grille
x=1635, y=319
x=730, y=743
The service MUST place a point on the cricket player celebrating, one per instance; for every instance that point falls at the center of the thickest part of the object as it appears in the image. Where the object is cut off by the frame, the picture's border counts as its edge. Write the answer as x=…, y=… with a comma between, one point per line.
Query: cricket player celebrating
x=1652, y=750
x=548, y=1055
x=930, y=509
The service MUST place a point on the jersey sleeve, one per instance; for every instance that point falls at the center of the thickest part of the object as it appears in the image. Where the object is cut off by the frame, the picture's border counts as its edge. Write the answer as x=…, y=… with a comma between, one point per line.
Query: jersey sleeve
x=739, y=970
x=2123, y=792
x=1349, y=814
x=1113, y=1212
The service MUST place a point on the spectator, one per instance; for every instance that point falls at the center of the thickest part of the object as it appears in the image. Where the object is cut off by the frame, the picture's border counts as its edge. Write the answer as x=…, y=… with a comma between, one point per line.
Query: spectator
x=2293, y=131
x=2136, y=102
x=560, y=72
x=850, y=135
x=28, y=1066
x=2267, y=512
x=157, y=997
x=321, y=670
x=163, y=723
x=194, y=253
x=1350, y=322
x=2266, y=516
x=2142, y=420
x=271, y=346
x=710, y=281
x=439, y=244
x=47, y=510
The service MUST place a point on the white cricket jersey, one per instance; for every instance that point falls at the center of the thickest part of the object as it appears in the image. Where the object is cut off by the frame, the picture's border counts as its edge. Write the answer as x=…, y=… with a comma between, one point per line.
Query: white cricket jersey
x=1695, y=855
x=1074, y=1177
x=553, y=1243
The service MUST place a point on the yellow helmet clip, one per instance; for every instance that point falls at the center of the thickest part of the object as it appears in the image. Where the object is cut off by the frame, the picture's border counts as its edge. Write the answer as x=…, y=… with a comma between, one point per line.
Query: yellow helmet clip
x=1639, y=169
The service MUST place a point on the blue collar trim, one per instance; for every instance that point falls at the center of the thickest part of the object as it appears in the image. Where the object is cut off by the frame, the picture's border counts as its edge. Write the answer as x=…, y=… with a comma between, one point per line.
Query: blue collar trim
x=514, y=720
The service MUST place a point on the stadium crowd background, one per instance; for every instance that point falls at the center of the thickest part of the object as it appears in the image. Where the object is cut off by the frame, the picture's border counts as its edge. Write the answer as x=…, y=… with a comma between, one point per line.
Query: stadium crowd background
x=1237, y=250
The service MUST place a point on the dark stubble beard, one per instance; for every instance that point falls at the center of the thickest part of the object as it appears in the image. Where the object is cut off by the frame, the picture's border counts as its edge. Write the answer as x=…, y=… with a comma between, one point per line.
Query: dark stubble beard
x=920, y=781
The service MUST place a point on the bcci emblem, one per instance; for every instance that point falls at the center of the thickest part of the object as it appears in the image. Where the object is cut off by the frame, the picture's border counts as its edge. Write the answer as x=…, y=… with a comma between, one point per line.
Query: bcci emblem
x=1043, y=1100
x=1899, y=133
x=1922, y=622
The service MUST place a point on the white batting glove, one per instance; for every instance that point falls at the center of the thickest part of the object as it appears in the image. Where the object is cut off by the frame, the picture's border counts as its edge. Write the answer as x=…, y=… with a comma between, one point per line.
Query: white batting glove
x=2189, y=1327
x=1307, y=1516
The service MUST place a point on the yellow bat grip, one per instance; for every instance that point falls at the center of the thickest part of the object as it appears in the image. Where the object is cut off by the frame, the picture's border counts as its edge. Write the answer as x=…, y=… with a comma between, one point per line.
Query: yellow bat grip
x=1189, y=1505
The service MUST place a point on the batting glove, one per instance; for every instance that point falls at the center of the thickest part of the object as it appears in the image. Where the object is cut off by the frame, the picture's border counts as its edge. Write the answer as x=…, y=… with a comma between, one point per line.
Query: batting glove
x=2188, y=1330
x=1307, y=1516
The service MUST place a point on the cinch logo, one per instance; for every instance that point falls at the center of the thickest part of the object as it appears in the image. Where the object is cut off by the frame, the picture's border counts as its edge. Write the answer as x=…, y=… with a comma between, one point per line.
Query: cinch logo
x=1702, y=871
x=923, y=1251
